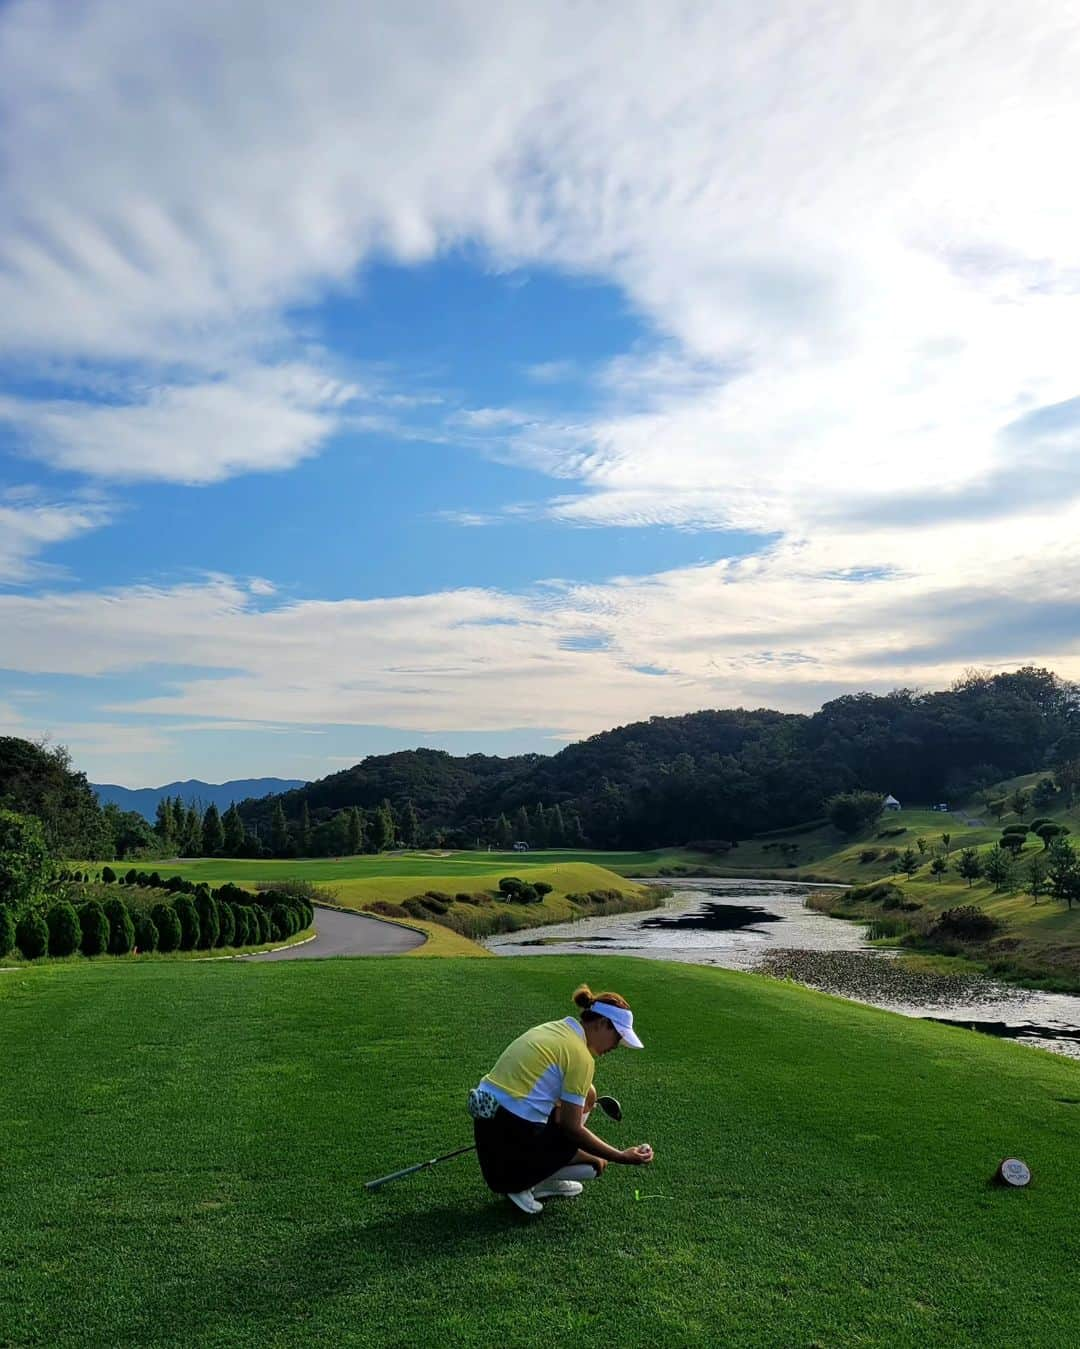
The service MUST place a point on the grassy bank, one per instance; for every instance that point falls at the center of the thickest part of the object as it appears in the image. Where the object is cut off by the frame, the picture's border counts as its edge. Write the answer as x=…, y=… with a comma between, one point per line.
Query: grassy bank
x=363, y=882
x=185, y=1146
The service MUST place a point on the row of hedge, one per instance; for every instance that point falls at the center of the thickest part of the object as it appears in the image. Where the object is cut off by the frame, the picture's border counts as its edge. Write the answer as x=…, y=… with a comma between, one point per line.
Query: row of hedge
x=203, y=921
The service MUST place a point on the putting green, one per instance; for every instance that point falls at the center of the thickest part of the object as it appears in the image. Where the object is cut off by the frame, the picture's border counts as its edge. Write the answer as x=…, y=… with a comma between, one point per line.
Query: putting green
x=185, y=1144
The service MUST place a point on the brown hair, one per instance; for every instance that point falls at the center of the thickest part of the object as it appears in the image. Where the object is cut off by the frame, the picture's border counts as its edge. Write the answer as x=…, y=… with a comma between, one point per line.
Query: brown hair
x=584, y=998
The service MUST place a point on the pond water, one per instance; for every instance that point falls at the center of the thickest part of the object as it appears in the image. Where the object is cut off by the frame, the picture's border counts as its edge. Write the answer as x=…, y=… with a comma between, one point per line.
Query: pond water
x=765, y=927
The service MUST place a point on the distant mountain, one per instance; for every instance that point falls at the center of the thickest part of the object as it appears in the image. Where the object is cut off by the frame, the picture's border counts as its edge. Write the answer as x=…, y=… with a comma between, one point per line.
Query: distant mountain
x=145, y=800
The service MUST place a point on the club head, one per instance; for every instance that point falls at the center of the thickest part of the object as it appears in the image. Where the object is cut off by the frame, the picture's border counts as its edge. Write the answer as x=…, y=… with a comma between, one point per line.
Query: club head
x=610, y=1106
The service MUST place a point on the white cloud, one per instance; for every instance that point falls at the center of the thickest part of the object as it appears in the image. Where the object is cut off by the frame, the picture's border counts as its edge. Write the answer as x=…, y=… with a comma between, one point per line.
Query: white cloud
x=854, y=236
x=29, y=524
x=782, y=628
x=856, y=246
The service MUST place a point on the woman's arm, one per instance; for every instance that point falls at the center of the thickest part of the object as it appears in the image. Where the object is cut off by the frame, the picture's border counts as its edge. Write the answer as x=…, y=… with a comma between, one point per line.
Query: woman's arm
x=570, y=1122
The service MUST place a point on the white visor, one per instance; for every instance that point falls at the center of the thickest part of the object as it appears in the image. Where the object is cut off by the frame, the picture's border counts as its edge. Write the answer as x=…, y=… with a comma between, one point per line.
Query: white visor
x=622, y=1019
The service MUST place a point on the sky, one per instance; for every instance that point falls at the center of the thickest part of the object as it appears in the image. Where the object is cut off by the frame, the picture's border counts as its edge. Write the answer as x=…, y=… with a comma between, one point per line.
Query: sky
x=484, y=376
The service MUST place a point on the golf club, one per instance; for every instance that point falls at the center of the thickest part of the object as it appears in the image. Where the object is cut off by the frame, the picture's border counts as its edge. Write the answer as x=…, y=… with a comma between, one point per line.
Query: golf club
x=608, y=1104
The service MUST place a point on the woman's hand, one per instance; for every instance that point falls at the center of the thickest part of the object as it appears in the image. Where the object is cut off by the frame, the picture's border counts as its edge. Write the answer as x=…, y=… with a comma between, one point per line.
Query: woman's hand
x=640, y=1155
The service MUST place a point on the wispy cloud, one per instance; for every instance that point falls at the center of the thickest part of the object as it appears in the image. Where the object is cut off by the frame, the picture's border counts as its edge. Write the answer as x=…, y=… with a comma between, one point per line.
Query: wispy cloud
x=30, y=523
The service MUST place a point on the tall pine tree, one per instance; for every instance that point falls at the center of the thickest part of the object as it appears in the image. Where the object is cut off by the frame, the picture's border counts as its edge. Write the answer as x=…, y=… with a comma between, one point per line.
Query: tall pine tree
x=279, y=831
x=235, y=832
x=355, y=832
x=383, y=828
x=539, y=827
x=504, y=835
x=556, y=828
x=303, y=835
x=522, y=827
x=192, y=846
x=213, y=832
x=410, y=826
x=165, y=824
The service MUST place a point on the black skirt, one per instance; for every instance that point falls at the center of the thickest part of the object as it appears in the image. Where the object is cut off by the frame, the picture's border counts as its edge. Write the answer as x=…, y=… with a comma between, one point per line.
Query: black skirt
x=516, y=1154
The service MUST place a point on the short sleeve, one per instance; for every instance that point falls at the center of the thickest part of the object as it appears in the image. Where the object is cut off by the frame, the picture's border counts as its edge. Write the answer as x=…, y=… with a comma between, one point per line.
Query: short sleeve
x=577, y=1078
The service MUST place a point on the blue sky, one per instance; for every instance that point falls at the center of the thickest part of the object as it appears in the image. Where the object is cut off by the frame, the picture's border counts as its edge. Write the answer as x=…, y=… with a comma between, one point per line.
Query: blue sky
x=485, y=385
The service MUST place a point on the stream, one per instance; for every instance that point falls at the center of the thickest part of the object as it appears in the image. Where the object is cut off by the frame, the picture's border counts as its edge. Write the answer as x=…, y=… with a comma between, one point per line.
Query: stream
x=765, y=927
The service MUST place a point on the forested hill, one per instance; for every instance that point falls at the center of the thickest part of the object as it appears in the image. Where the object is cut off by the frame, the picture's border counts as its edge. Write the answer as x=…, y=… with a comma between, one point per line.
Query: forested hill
x=718, y=774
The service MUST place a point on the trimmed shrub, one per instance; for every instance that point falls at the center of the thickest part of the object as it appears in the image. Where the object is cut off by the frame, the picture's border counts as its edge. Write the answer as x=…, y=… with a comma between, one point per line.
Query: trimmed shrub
x=966, y=923
x=32, y=936
x=510, y=885
x=65, y=935
x=895, y=832
x=416, y=908
x=877, y=892
x=132, y=877
x=434, y=903
x=387, y=909
x=262, y=925
x=7, y=931
x=463, y=898
x=209, y=924
x=542, y=888
x=108, y=876
x=121, y=928
x=167, y=923
x=146, y=934
x=868, y=855
x=280, y=922
x=190, y=929
x=528, y=894
x=226, y=925
x=95, y=929
x=241, y=927
x=175, y=884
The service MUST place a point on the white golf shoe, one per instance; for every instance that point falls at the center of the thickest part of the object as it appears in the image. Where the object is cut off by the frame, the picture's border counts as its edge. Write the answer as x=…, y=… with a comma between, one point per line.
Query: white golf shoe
x=566, y=1189
x=524, y=1200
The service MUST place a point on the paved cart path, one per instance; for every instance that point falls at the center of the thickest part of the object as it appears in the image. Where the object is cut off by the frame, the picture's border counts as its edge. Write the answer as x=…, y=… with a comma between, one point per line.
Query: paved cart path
x=347, y=934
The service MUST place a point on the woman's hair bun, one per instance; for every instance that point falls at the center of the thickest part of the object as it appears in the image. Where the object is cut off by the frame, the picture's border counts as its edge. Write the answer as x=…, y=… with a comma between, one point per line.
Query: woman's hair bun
x=584, y=996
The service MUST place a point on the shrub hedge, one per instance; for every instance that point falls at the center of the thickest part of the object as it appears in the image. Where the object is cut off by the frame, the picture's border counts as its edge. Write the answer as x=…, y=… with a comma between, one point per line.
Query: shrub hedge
x=65, y=934
x=32, y=936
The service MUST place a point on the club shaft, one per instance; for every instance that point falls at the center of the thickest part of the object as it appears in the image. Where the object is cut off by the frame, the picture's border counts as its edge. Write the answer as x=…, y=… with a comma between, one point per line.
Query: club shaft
x=419, y=1166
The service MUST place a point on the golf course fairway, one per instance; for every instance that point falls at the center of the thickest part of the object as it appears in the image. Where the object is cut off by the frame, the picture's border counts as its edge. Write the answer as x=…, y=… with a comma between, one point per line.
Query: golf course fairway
x=185, y=1146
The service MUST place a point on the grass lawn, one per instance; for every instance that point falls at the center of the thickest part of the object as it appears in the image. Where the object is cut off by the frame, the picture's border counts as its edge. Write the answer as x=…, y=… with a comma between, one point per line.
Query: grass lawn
x=184, y=1147
x=454, y=870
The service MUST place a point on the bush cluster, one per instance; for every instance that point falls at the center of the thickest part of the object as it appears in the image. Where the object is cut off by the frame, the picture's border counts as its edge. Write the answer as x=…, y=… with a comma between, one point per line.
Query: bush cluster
x=196, y=918
x=966, y=923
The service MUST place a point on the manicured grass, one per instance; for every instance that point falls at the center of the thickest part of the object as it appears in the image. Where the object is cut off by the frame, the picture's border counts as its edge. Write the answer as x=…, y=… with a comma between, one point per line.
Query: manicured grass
x=453, y=869
x=184, y=1147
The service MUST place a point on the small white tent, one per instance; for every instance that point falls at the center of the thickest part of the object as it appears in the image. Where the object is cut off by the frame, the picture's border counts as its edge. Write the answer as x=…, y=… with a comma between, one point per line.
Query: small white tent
x=891, y=803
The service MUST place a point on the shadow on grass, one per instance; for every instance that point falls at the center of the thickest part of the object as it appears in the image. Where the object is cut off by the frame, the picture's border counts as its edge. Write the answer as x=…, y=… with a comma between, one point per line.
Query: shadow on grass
x=284, y=1282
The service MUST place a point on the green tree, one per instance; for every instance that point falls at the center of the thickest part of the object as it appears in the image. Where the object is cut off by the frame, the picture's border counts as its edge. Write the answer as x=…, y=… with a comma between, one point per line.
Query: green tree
x=851, y=811
x=998, y=867
x=1063, y=871
x=1018, y=802
x=26, y=868
x=95, y=929
x=235, y=832
x=1012, y=843
x=1045, y=794
x=303, y=833
x=556, y=828
x=279, y=830
x=969, y=865
x=946, y=840
x=539, y=827
x=32, y=935
x=997, y=807
x=938, y=867
x=382, y=831
x=503, y=833
x=410, y=825
x=1036, y=877
x=168, y=926
x=922, y=846
x=522, y=828
x=1051, y=831
x=7, y=930
x=213, y=832
x=65, y=935
x=354, y=832
x=121, y=928
x=192, y=842
x=908, y=861
x=165, y=825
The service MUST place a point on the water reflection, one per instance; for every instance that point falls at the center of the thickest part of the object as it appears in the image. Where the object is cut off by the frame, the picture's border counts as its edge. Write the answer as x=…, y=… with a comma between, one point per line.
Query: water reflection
x=764, y=926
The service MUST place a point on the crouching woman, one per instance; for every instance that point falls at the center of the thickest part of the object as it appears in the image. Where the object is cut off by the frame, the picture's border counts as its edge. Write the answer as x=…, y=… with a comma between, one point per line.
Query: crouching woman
x=530, y=1111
